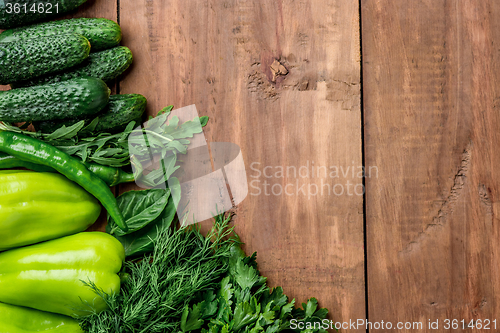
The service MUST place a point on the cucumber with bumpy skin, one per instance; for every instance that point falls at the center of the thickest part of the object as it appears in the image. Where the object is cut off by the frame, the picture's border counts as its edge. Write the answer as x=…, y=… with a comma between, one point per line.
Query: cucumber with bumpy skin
x=15, y=13
x=105, y=65
x=101, y=33
x=121, y=110
x=32, y=58
x=73, y=98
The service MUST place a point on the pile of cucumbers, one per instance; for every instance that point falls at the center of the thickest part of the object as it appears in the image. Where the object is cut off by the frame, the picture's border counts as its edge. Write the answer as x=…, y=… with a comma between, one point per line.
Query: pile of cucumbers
x=59, y=73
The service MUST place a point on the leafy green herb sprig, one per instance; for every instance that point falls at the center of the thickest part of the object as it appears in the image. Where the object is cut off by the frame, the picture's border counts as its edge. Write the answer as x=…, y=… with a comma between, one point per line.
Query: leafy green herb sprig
x=245, y=304
x=145, y=212
x=159, y=287
x=113, y=149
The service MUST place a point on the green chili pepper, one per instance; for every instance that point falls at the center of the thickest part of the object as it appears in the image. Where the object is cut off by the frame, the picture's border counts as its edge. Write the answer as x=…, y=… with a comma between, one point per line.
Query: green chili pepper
x=17, y=319
x=35, y=151
x=9, y=162
x=111, y=176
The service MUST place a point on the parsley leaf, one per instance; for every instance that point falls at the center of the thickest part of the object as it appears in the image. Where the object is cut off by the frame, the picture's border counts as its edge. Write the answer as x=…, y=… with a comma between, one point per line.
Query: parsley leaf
x=247, y=305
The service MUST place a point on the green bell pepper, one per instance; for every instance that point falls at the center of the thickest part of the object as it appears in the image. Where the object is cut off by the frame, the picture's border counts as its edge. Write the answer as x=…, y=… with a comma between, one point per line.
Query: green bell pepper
x=36, y=207
x=50, y=276
x=16, y=319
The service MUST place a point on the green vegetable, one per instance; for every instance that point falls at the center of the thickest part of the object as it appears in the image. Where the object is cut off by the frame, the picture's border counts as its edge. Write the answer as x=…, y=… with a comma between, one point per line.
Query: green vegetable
x=17, y=319
x=105, y=65
x=139, y=208
x=9, y=162
x=102, y=33
x=35, y=151
x=15, y=13
x=145, y=212
x=120, y=111
x=244, y=303
x=28, y=59
x=158, y=287
x=74, y=98
x=36, y=207
x=50, y=276
x=113, y=150
x=111, y=176
x=309, y=316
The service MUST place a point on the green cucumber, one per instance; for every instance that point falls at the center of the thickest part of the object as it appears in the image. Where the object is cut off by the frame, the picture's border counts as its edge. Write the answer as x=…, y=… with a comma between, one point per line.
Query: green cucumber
x=32, y=58
x=121, y=110
x=105, y=65
x=101, y=33
x=15, y=13
x=73, y=98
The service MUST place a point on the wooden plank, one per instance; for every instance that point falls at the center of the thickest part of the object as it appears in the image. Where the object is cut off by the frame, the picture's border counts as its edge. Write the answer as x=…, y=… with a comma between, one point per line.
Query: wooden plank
x=430, y=73
x=219, y=55
x=97, y=8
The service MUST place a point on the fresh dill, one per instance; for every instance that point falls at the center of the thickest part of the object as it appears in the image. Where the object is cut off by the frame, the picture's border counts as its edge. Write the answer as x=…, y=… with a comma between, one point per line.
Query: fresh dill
x=157, y=288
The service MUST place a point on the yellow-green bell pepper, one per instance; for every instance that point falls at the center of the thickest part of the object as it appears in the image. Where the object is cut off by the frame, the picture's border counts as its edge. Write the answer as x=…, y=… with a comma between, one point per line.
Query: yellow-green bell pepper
x=38, y=206
x=48, y=276
x=17, y=319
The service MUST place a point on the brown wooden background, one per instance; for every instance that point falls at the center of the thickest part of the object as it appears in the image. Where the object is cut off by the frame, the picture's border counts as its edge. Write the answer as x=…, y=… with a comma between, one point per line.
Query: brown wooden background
x=423, y=242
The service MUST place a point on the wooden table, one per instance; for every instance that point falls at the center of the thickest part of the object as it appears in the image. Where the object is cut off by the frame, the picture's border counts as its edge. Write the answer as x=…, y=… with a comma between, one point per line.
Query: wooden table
x=282, y=79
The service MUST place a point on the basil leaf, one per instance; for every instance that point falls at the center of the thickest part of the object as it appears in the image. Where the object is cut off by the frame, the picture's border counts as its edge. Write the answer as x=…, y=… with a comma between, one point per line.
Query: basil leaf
x=142, y=240
x=139, y=208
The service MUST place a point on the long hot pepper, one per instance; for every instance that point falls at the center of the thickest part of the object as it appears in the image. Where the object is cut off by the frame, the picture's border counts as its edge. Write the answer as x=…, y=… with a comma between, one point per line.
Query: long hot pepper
x=111, y=176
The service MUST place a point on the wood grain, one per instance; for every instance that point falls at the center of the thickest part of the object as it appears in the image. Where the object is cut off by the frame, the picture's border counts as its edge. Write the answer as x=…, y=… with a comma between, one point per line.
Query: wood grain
x=218, y=56
x=430, y=76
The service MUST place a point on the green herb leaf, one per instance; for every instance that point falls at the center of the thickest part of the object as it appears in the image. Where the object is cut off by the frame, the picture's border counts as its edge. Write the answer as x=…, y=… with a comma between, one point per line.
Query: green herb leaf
x=91, y=126
x=246, y=304
x=113, y=149
x=64, y=132
x=209, y=304
x=142, y=240
x=166, y=109
x=310, y=307
x=244, y=314
x=190, y=319
x=139, y=208
x=286, y=310
x=204, y=121
x=225, y=290
x=245, y=276
x=267, y=315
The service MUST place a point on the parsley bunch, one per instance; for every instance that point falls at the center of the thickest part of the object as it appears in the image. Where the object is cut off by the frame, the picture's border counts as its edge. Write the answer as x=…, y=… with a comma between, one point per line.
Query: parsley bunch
x=244, y=303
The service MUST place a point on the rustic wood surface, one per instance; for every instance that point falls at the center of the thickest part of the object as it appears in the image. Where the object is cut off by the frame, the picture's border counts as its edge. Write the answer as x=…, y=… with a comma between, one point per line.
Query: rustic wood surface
x=282, y=80
x=218, y=56
x=430, y=92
